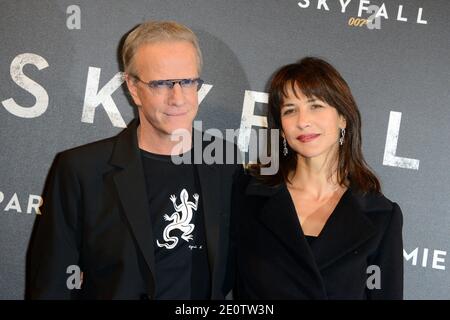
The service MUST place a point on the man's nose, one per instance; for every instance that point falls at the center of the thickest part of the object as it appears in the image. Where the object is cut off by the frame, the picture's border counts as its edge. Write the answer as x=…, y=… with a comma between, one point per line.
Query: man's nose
x=176, y=95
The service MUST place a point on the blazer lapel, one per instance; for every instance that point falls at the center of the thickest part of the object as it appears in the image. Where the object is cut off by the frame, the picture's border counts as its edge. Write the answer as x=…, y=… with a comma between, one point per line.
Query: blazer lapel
x=130, y=184
x=279, y=216
x=346, y=229
x=209, y=178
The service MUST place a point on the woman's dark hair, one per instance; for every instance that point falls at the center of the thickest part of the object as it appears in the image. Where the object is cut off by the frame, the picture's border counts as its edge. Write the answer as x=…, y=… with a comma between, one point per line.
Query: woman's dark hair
x=316, y=78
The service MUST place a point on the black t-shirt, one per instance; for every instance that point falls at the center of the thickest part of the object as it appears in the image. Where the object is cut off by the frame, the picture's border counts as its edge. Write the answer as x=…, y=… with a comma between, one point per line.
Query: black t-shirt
x=176, y=212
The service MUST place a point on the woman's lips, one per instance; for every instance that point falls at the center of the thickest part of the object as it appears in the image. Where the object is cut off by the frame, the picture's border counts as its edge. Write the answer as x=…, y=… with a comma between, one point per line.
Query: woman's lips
x=307, y=137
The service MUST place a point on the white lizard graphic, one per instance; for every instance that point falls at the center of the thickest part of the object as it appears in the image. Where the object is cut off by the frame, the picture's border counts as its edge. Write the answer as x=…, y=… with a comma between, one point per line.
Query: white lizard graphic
x=181, y=219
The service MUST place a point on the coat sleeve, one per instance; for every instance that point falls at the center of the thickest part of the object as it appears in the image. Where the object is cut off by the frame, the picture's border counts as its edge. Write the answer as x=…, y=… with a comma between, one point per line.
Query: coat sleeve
x=56, y=237
x=389, y=259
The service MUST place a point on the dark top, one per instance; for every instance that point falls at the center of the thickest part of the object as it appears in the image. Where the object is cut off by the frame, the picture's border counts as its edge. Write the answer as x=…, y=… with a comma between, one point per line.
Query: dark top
x=310, y=239
x=358, y=254
x=178, y=229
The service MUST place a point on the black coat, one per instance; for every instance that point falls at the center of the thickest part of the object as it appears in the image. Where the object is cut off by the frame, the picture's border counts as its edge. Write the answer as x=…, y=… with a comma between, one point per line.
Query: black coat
x=95, y=215
x=275, y=261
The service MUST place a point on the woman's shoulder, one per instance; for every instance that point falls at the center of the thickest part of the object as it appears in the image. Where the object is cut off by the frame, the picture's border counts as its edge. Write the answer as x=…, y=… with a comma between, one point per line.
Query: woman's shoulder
x=379, y=209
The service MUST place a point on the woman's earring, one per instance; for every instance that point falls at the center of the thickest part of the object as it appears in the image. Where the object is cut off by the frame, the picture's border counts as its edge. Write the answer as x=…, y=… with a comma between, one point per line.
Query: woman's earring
x=285, y=149
x=341, y=139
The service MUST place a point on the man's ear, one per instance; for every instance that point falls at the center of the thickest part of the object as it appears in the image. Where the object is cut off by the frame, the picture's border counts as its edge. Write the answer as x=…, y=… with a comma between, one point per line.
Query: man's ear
x=132, y=88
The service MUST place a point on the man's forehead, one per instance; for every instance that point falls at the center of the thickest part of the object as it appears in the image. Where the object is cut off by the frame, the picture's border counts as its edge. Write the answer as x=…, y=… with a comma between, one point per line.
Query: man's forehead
x=166, y=52
x=165, y=45
x=166, y=61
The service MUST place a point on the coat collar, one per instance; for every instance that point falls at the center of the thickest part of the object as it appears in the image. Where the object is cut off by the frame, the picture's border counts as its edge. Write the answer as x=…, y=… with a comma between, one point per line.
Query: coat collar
x=278, y=215
x=346, y=229
x=131, y=189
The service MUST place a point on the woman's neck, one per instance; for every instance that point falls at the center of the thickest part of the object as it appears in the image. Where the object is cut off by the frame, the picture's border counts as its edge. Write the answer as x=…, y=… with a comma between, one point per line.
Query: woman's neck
x=318, y=179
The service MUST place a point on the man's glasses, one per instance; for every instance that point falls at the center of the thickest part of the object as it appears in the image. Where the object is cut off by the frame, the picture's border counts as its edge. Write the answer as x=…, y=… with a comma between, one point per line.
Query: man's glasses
x=164, y=86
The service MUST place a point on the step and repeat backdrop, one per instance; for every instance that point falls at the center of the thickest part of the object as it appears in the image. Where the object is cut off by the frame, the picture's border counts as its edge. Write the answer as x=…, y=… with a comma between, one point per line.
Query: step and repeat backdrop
x=61, y=87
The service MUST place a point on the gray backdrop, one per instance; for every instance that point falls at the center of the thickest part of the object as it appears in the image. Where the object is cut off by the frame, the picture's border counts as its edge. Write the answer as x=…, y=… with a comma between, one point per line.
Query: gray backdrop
x=60, y=88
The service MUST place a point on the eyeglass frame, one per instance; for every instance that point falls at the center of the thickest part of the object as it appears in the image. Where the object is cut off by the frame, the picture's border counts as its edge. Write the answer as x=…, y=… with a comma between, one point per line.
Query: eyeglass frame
x=170, y=83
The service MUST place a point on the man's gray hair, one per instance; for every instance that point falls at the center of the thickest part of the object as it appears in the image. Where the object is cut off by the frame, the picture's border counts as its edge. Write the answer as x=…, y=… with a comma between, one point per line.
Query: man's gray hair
x=157, y=31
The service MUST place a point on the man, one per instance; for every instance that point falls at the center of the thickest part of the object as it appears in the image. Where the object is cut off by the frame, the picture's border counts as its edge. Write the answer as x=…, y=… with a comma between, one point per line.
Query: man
x=119, y=214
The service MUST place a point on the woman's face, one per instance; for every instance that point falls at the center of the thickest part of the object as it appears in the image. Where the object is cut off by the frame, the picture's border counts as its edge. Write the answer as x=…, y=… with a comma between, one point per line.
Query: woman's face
x=310, y=126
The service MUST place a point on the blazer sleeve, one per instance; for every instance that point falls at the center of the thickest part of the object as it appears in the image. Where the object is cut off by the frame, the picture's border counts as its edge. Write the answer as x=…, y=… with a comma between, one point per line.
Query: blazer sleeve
x=56, y=237
x=389, y=259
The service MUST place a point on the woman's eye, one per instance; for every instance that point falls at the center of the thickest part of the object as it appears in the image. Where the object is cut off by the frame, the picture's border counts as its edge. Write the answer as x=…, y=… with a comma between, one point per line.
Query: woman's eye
x=287, y=111
x=316, y=106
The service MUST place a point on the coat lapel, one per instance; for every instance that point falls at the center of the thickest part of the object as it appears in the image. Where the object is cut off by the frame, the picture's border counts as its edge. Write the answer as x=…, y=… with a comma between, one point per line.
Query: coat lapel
x=209, y=178
x=279, y=216
x=346, y=229
x=131, y=188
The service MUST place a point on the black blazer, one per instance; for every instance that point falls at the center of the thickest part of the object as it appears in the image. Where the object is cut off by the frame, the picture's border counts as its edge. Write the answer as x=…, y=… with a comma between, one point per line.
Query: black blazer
x=275, y=261
x=95, y=215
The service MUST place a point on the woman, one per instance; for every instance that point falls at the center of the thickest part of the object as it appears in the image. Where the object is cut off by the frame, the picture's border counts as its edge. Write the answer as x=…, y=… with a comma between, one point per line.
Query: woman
x=320, y=228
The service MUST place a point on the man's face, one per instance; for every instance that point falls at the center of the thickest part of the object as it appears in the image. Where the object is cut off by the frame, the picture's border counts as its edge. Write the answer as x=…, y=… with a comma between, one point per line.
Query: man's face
x=162, y=112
